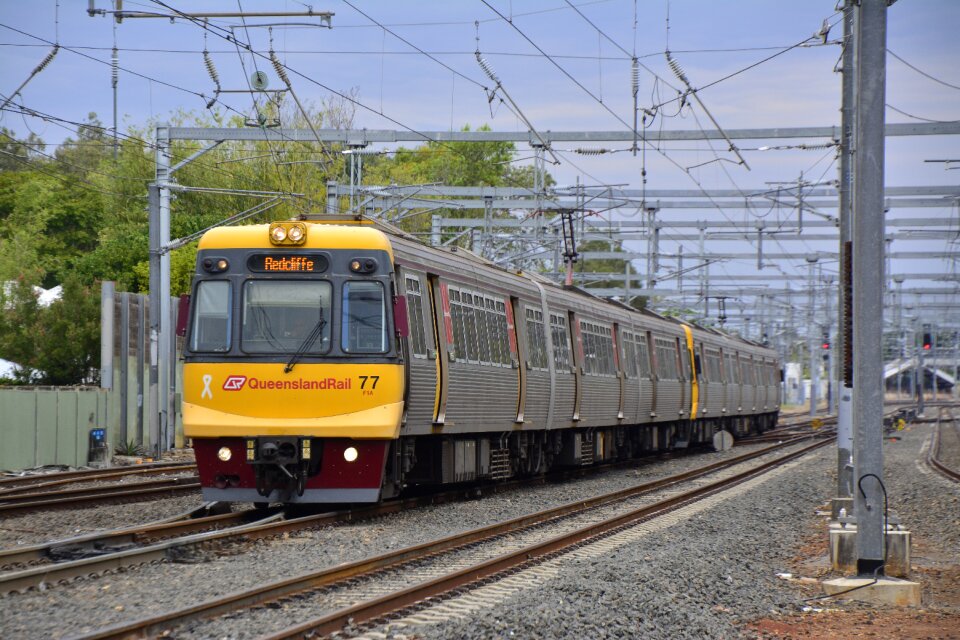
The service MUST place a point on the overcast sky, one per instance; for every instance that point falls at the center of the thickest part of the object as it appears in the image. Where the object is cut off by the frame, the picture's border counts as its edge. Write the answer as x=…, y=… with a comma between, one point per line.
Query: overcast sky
x=710, y=39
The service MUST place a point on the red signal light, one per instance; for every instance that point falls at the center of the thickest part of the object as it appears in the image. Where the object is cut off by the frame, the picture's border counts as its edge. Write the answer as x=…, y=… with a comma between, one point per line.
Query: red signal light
x=826, y=345
x=926, y=347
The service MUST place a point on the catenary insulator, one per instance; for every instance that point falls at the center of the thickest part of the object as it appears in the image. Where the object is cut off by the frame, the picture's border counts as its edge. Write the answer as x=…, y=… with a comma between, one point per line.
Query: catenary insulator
x=635, y=76
x=278, y=67
x=591, y=152
x=114, y=68
x=487, y=69
x=212, y=70
x=43, y=63
x=677, y=69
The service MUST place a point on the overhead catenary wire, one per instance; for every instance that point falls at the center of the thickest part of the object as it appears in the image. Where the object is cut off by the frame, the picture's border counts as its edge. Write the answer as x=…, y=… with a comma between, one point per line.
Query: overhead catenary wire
x=923, y=73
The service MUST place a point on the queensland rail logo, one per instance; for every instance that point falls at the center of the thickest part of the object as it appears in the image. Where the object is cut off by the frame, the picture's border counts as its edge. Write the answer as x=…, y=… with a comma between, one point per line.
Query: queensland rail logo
x=301, y=384
x=234, y=383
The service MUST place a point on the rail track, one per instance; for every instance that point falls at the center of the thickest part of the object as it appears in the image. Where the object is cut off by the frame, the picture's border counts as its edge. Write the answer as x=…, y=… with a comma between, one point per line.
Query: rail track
x=20, y=502
x=32, y=482
x=948, y=470
x=207, y=526
x=428, y=566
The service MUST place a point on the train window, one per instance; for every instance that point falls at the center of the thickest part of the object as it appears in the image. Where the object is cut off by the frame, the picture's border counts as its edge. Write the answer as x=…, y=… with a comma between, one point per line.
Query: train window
x=746, y=371
x=479, y=328
x=364, y=317
x=496, y=335
x=536, y=339
x=714, y=367
x=418, y=340
x=470, y=326
x=597, y=349
x=561, y=343
x=281, y=316
x=483, y=339
x=629, y=354
x=643, y=355
x=211, y=320
x=456, y=321
x=666, y=359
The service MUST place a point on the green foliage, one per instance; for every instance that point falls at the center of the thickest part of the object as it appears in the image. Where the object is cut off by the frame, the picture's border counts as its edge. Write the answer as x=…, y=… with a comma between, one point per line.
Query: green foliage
x=56, y=345
x=77, y=215
x=130, y=448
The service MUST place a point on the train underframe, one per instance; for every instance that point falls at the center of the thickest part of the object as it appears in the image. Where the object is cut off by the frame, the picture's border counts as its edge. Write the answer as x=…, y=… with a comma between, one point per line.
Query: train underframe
x=301, y=469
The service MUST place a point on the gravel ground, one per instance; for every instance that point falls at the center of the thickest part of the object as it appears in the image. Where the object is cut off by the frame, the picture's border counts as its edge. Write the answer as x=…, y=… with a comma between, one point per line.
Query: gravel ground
x=704, y=578
x=57, y=524
x=950, y=443
x=710, y=575
x=128, y=594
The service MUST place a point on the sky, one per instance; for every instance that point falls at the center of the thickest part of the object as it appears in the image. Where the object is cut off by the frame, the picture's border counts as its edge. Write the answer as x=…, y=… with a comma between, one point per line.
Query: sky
x=377, y=51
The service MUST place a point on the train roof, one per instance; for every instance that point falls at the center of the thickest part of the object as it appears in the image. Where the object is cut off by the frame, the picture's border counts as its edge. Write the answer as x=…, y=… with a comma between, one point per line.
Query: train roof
x=320, y=235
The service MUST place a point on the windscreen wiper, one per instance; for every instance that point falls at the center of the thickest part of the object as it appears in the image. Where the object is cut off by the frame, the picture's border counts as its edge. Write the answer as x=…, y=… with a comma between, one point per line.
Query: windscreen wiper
x=307, y=343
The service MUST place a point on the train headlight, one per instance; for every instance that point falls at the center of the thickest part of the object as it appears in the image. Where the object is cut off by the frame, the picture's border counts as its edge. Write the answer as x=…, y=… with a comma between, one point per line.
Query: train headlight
x=350, y=454
x=224, y=454
x=278, y=234
x=287, y=233
x=295, y=234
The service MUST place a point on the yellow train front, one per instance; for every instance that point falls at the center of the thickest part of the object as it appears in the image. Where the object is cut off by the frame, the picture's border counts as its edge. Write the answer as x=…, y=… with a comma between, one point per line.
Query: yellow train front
x=293, y=386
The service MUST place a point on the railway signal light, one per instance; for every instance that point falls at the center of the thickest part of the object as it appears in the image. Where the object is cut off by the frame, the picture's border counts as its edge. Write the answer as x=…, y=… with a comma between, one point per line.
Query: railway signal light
x=926, y=342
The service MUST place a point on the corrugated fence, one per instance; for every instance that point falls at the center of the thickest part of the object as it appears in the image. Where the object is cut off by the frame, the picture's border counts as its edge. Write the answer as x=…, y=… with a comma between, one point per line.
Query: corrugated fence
x=49, y=425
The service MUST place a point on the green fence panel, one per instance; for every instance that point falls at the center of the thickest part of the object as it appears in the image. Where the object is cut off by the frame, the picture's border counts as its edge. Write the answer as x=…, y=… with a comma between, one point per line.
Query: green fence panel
x=46, y=425
x=18, y=428
x=67, y=427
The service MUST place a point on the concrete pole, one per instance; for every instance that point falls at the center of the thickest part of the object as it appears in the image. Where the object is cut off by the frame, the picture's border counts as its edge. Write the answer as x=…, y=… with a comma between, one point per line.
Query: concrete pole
x=811, y=336
x=153, y=400
x=868, y=263
x=333, y=198
x=165, y=330
x=919, y=376
x=107, y=288
x=933, y=357
x=844, y=499
x=704, y=271
x=898, y=280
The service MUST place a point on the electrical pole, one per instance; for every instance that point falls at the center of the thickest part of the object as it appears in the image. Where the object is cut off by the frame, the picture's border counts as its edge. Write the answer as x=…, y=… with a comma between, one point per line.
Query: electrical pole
x=811, y=334
x=868, y=262
x=844, y=497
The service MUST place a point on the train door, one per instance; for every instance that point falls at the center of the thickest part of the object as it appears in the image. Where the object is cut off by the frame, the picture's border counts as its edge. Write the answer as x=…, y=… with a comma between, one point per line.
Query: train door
x=443, y=332
x=683, y=369
x=518, y=352
x=700, y=369
x=652, y=370
x=421, y=354
x=619, y=367
x=577, y=338
x=537, y=365
x=565, y=373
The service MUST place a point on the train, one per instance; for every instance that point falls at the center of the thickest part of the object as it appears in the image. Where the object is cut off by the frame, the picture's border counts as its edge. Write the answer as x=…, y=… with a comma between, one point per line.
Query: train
x=335, y=361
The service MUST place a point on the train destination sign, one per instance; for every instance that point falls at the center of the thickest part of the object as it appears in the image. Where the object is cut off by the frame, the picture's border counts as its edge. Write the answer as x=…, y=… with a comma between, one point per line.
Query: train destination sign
x=285, y=263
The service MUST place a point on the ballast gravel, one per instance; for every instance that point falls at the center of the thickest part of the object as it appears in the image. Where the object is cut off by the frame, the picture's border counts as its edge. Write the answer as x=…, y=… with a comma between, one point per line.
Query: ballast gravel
x=698, y=579
x=58, y=524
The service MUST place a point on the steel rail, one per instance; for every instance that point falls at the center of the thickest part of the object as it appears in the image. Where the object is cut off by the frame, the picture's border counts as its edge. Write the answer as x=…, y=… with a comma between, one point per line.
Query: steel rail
x=194, y=520
x=933, y=453
x=337, y=574
x=20, y=503
x=26, y=482
x=371, y=610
